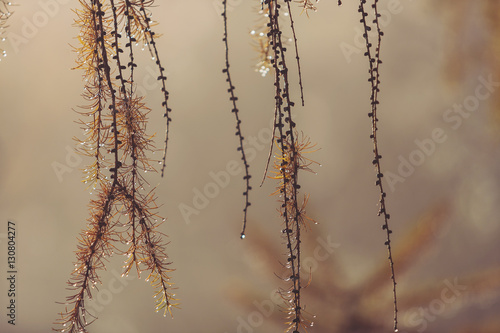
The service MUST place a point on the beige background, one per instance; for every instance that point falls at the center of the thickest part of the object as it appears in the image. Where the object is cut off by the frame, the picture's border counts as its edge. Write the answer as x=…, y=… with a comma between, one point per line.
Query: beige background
x=38, y=91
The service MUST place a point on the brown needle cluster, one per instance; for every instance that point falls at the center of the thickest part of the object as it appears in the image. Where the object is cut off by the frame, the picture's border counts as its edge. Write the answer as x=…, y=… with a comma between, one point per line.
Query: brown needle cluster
x=262, y=37
x=261, y=42
x=307, y=5
x=288, y=164
x=286, y=167
x=114, y=120
x=293, y=213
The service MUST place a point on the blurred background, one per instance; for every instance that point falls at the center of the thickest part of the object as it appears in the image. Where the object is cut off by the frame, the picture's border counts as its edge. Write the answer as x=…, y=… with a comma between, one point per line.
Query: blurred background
x=438, y=134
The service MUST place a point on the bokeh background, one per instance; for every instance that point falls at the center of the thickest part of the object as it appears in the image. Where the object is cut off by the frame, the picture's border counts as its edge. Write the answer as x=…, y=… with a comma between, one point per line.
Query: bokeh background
x=434, y=55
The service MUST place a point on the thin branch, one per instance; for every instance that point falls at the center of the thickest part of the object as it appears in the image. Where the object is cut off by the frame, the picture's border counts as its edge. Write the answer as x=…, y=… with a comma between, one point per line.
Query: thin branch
x=233, y=99
x=374, y=62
